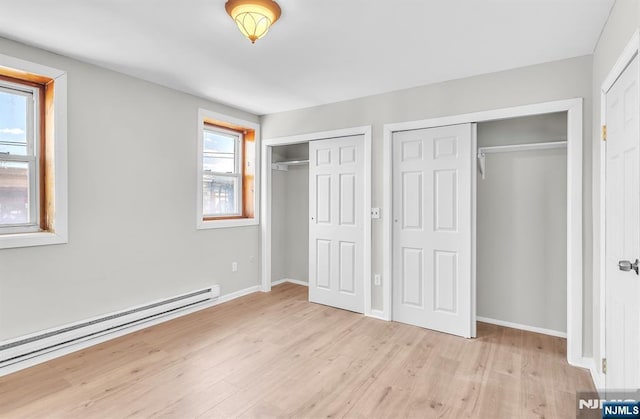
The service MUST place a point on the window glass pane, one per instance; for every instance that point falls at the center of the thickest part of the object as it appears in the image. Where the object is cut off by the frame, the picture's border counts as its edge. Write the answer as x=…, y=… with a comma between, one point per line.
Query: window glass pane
x=12, y=148
x=219, y=195
x=217, y=142
x=14, y=193
x=220, y=164
x=220, y=152
x=13, y=123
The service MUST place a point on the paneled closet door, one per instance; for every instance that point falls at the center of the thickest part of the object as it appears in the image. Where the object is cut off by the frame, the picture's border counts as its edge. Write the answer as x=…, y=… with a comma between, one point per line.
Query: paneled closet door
x=432, y=228
x=336, y=226
x=622, y=238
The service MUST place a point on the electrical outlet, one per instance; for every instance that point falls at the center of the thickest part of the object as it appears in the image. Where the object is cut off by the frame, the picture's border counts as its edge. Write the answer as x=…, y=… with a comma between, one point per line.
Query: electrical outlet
x=234, y=267
x=377, y=280
x=375, y=213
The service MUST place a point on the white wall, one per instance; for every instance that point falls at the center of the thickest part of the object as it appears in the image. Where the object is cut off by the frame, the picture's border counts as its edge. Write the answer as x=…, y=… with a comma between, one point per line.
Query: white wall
x=540, y=83
x=623, y=22
x=522, y=224
x=132, y=206
x=290, y=216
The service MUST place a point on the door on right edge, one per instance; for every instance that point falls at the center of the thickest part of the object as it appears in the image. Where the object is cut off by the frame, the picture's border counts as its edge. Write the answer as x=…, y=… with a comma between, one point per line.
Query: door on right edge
x=622, y=226
x=432, y=229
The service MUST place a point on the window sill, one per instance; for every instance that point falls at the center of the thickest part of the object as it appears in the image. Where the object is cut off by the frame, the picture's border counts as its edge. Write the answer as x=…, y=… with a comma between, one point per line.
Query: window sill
x=42, y=238
x=226, y=223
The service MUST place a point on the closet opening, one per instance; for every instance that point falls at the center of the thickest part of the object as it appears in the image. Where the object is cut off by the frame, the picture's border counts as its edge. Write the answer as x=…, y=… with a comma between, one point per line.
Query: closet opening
x=289, y=214
x=521, y=224
x=316, y=216
x=506, y=249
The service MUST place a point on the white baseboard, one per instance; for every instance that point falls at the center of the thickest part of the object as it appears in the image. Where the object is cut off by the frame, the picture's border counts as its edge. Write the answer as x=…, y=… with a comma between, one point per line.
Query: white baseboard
x=596, y=376
x=534, y=329
x=237, y=294
x=297, y=282
x=378, y=314
x=106, y=336
x=293, y=281
x=582, y=362
x=590, y=365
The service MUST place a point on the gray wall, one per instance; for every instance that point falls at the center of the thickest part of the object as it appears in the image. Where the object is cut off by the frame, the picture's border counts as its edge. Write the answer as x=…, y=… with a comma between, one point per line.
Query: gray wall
x=278, y=224
x=522, y=224
x=623, y=22
x=534, y=84
x=290, y=216
x=132, y=207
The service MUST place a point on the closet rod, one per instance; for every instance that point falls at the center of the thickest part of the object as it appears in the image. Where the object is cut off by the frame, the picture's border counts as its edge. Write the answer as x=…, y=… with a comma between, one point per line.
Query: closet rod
x=284, y=165
x=514, y=147
x=521, y=147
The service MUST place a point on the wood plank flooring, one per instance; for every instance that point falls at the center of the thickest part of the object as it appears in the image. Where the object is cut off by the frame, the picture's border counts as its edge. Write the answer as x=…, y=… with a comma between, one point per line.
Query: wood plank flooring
x=277, y=355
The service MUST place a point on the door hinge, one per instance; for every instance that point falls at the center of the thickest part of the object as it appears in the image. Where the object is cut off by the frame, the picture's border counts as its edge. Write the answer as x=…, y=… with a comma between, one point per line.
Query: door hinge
x=604, y=365
x=604, y=133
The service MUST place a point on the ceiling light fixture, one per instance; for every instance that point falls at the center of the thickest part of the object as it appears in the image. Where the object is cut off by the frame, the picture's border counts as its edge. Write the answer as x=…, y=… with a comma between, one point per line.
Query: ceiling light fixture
x=253, y=17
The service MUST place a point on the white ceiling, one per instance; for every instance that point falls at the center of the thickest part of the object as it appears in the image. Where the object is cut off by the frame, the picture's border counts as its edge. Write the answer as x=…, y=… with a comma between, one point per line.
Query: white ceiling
x=321, y=51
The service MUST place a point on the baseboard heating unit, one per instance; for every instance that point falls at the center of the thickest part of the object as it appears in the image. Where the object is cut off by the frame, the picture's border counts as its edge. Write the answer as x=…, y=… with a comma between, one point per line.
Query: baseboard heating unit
x=39, y=344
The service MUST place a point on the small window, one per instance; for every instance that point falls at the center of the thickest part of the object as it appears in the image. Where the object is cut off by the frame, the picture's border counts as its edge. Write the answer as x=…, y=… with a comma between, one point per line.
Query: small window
x=222, y=173
x=227, y=171
x=33, y=154
x=20, y=154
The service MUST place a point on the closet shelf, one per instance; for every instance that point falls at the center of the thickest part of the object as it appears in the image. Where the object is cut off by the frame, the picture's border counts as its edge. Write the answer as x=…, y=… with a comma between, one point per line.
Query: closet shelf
x=482, y=151
x=284, y=165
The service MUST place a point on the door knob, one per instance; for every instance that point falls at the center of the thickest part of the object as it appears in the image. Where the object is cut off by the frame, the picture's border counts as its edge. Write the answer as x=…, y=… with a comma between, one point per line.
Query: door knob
x=626, y=266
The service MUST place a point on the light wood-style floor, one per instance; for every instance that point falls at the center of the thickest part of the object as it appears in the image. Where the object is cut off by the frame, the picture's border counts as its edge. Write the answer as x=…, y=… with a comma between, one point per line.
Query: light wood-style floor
x=277, y=355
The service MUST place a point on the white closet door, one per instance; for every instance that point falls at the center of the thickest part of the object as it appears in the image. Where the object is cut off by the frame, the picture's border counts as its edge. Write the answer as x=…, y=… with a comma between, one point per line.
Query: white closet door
x=336, y=227
x=432, y=228
x=623, y=232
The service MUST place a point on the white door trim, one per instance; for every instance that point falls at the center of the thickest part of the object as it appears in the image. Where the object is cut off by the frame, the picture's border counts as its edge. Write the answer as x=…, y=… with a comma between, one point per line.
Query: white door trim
x=265, y=231
x=626, y=56
x=573, y=107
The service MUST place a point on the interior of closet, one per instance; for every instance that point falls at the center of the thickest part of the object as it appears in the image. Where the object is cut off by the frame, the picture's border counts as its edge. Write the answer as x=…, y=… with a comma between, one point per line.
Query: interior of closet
x=290, y=213
x=522, y=222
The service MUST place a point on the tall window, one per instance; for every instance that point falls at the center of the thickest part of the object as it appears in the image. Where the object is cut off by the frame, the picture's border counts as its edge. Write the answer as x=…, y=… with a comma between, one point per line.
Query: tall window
x=227, y=171
x=222, y=172
x=21, y=147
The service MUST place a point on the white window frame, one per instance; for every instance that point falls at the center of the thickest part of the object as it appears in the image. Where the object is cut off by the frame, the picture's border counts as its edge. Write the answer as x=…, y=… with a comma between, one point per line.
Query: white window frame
x=32, y=158
x=59, y=232
x=237, y=171
x=201, y=223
